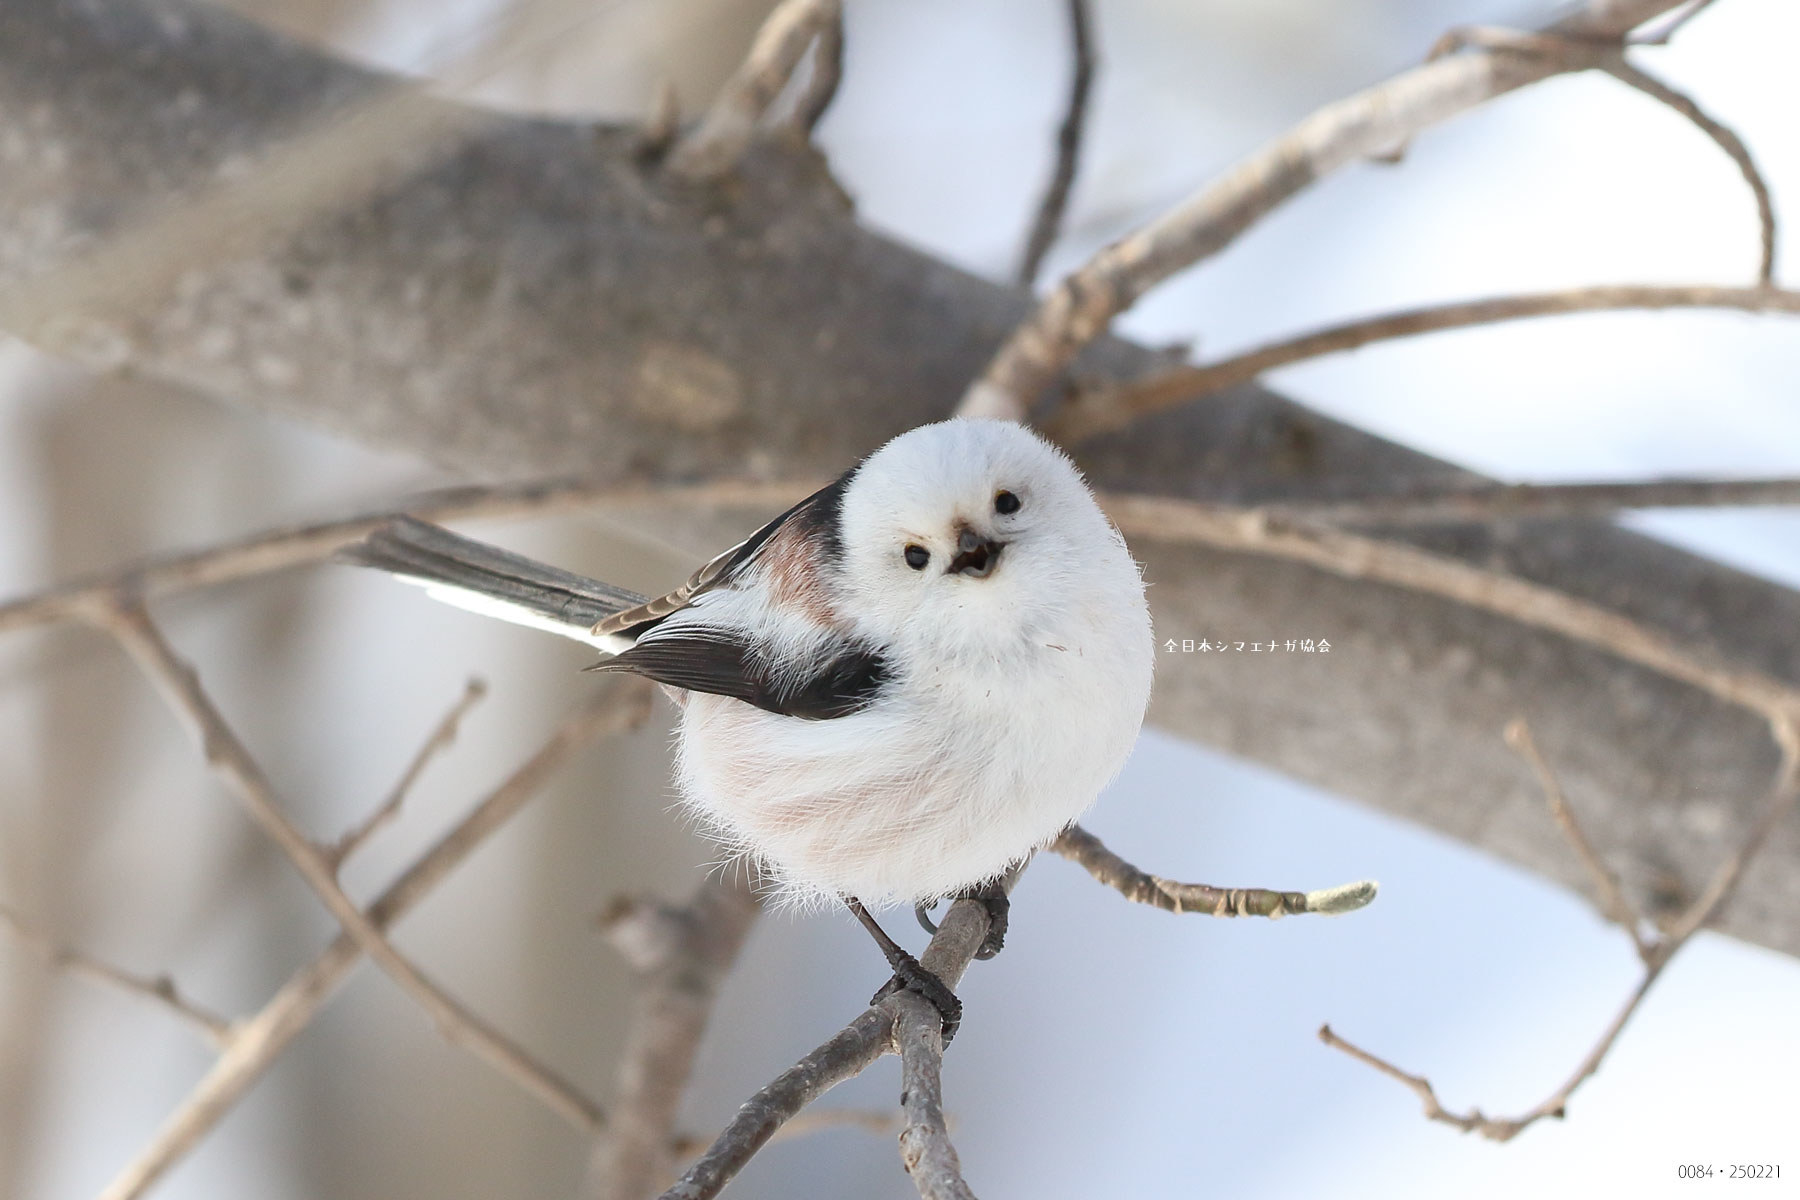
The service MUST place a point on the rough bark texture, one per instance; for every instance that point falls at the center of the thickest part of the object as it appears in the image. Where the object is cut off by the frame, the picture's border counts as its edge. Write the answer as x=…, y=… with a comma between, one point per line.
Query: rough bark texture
x=531, y=300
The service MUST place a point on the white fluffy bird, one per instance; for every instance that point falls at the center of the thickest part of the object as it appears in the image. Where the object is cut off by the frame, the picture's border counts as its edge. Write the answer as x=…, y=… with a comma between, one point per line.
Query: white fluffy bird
x=895, y=691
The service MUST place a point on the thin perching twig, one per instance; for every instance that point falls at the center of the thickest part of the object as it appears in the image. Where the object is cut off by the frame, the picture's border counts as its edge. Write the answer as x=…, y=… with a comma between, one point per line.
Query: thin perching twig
x=260, y=1039
x=714, y=147
x=228, y=758
x=1083, y=848
x=160, y=990
x=1083, y=306
x=1048, y=222
x=442, y=737
x=925, y=1148
x=846, y=1054
x=1093, y=411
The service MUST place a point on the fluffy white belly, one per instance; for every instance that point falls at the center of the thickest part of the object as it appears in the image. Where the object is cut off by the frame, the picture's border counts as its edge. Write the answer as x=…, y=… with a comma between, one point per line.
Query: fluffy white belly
x=909, y=800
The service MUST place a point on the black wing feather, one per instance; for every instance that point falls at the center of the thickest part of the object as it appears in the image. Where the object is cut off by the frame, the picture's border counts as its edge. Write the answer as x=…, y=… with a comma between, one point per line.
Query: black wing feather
x=720, y=664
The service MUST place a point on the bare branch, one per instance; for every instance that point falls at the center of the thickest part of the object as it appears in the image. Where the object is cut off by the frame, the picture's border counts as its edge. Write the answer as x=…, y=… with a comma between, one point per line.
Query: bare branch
x=302, y=545
x=684, y=954
x=1613, y=901
x=441, y=739
x=1403, y=566
x=713, y=148
x=1083, y=306
x=261, y=1038
x=847, y=1054
x=160, y=989
x=1097, y=410
x=1048, y=222
x=1500, y=502
x=243, y=777
x=925, y=1147
x=1655, y=955
x=1079, y=846
x=1725, y=139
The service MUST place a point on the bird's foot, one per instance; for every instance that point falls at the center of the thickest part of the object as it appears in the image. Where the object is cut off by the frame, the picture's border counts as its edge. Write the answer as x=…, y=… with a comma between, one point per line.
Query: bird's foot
x=910, y=976
x=999, y=907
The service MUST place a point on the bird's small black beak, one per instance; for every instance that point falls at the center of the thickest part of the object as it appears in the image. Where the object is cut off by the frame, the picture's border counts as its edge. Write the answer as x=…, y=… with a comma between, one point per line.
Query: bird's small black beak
x=975, y=555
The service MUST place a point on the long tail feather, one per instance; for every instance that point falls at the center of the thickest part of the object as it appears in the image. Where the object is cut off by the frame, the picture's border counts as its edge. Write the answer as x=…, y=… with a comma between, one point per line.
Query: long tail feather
x=493, y=582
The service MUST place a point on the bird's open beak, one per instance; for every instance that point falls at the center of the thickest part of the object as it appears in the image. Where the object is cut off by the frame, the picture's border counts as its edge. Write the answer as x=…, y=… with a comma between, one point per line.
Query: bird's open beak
x=975, y=555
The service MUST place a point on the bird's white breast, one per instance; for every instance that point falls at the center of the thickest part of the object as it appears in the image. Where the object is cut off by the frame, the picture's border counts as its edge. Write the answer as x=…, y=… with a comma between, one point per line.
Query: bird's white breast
x=966, y=764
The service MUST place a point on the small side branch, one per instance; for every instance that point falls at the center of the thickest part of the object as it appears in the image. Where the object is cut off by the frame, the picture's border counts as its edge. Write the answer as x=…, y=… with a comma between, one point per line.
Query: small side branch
x=260, y=1039
x=1079, y=846
x=1048, y=222
x=1726, y=140
x=232, y=762
x=1613, y=902
x=1097, y=410
x=1578, y=53
x=716, y=145
x=160, y=990
x=441, y=739
x=1656, y=955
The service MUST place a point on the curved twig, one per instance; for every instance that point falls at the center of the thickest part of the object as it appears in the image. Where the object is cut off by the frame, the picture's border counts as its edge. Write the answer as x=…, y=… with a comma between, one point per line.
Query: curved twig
x=1101, y=410
x=1048, y=222
x=713, y=148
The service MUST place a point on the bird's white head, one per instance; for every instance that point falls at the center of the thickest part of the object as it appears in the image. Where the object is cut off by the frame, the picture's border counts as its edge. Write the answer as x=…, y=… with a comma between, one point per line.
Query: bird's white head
x=974, y=533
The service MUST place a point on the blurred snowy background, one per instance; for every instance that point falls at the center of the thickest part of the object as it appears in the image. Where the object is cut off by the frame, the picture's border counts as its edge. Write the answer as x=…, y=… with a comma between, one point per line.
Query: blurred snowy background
x=1063, y=1081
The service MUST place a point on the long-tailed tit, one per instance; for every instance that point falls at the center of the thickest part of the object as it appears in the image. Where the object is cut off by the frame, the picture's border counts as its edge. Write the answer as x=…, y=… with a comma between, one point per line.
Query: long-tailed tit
x=895, y=691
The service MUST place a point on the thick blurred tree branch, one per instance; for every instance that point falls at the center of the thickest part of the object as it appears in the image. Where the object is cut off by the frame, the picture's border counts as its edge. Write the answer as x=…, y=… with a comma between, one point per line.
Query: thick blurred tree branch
x=525, y=298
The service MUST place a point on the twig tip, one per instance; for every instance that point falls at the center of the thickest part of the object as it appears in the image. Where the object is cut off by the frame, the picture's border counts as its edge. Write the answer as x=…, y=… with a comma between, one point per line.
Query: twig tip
x=1344, y=898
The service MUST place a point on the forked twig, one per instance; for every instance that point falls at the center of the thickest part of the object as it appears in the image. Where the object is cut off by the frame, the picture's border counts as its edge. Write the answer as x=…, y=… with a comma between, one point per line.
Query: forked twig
x=260, y=1039
x=232, y=762
x=1655, y=955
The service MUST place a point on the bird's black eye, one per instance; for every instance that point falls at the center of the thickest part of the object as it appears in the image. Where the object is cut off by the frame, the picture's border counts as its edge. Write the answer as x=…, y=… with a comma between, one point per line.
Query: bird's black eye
x=917, y=557
x=1005, y=503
